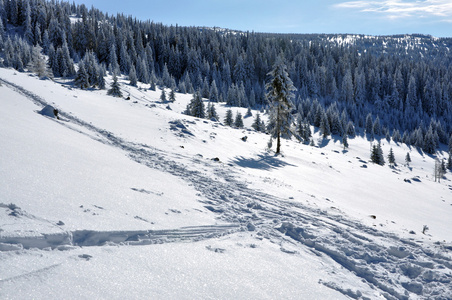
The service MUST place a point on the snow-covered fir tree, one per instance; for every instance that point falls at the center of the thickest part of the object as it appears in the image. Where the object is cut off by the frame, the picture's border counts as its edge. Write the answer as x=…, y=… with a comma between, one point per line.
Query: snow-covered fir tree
x=115, y=89
x=133, y=76
x=197, y=106
x=345, y=141
x=238, y=122
x=258, y=124
x=163, y=96
x=249, y=113
x=211, y=112
x=172, y=95
x=376, y=155
x=81, y=78
x=228, y=119
x=391, y=157
x=280, y=92
x=101, y=82
x=408, y=159
x=38, y=64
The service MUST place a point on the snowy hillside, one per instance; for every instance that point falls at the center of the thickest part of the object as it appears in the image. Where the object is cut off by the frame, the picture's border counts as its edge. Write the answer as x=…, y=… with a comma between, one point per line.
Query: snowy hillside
x=132, y=199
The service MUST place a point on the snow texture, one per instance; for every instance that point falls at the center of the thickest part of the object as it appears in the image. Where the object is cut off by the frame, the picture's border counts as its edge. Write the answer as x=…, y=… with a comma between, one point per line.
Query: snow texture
x=214, y=217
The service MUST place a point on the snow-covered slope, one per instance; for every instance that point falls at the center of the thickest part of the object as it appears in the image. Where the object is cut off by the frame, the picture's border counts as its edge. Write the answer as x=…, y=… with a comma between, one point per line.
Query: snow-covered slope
x=211, y=216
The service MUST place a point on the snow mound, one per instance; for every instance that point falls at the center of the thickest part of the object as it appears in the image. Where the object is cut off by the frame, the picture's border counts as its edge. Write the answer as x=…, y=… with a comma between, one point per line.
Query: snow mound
x=49, y=111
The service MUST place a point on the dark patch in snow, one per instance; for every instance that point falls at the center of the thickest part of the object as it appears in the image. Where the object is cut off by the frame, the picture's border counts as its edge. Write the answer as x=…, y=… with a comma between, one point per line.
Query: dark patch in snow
x=250, y=226
x=146, y=191
x=216, y=250
x=14, y=210
x=416, y=179
x=212, y=209
x=142, y=219
x=85, y=256
x=262, y=162
x=180, y=128
x=288, y=251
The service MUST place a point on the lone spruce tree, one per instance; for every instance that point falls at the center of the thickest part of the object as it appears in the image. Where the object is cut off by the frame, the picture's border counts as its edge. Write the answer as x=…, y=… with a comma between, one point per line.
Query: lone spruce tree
x=280, y=90
x=228, y=120
x=115, y=90
x=376, y=155
x=391, y=158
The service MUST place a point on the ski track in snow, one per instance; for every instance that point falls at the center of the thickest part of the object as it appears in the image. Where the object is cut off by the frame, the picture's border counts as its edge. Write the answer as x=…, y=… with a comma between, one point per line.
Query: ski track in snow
x=397, y=268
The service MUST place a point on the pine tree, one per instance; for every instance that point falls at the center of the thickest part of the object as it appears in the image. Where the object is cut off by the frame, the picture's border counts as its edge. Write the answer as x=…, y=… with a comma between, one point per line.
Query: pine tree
x=376, y=155
x=214, y=92
x=257, y=123
x=197, y=106
x=280, y=91
x=369, y=126
x=238, y=120
x=113, y=60
x=407, y=159
x=430, y=141
x=391, y=157
x=350, y=130
x=38, y=64
x=345, y=141
x=228, y=120
x=152, y=86
x=325, y=126
x=396, y=136
x=172, y=95
x=81, y=78
x=249, y=113
x=376, y=126
x=101, y=82
x=133, y=76
x=449, y=162
x=187, y=110
x=115, y=90
x=211, y=112
x=163, y=96
x=307, y=134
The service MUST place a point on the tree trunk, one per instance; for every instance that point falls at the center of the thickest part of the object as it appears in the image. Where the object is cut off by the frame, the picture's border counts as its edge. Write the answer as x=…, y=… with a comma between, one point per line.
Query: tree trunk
x=278, y=131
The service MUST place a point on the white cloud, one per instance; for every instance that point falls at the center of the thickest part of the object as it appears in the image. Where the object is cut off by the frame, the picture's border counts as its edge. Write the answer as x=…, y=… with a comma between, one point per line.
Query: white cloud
x=395, y=9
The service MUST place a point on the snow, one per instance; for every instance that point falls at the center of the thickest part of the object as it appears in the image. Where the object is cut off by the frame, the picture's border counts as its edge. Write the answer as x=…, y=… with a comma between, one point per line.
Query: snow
x=130, y=198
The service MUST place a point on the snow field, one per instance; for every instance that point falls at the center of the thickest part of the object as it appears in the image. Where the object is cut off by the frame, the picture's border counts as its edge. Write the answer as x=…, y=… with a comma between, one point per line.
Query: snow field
x=312, y=218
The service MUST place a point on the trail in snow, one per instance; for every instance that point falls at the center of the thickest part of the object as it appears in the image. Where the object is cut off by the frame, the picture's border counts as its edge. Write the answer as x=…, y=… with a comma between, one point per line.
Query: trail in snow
x=398, y=268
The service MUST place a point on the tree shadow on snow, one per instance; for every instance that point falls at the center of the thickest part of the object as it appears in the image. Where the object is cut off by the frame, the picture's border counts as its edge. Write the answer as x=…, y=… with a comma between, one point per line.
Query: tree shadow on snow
x=262, y=162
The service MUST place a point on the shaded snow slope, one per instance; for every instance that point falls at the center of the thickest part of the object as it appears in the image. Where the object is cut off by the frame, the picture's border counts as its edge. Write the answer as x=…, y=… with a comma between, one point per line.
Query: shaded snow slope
x=214, y=216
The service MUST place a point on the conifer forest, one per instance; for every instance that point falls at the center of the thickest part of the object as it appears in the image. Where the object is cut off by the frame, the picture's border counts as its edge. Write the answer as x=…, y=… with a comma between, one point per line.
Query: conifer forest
x=397, y=87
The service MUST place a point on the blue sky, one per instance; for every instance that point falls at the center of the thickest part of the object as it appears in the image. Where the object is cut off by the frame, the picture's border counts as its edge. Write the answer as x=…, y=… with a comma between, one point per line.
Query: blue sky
x=377, y=17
